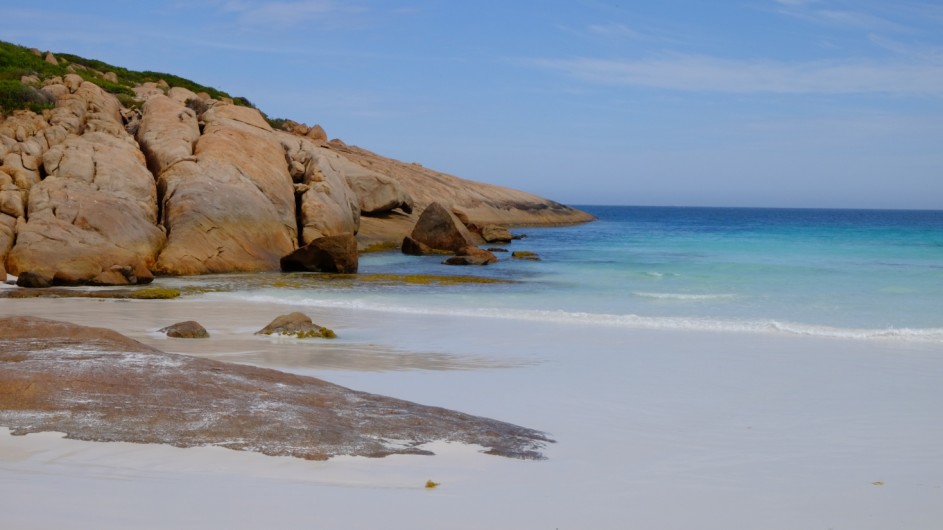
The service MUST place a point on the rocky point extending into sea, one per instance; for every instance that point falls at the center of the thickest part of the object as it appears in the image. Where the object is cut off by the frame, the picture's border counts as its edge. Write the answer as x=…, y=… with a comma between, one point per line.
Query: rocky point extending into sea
x=178, y=183
x=97, y=189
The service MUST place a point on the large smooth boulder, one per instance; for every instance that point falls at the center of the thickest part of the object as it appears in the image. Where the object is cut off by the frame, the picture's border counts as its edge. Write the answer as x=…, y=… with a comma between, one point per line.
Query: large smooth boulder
x=325, y=254
x=327, y=206
x=440, y=229
x=377, y=194
x=231, y=206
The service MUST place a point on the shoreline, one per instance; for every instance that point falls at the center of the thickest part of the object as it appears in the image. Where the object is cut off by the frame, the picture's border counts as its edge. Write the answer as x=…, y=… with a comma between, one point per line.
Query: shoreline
x=654, y=429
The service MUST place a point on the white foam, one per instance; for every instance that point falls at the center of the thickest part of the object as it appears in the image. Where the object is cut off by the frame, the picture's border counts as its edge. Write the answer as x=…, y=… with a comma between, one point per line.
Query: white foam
x=685, y=297
x=932, y=335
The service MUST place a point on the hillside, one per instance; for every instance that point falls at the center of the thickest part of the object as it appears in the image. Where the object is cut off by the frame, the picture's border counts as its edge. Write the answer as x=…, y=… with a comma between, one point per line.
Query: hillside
x=110, y=176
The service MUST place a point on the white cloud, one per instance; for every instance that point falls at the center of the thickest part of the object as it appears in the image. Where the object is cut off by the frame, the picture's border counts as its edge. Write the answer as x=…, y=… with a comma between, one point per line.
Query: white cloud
x=795, y=3
x=855, y=20
x=710, y=74
x=858, y=19
x=287, y=13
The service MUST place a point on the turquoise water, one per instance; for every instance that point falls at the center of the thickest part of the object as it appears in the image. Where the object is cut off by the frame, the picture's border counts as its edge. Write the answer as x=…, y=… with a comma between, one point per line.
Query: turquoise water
x=845, y=273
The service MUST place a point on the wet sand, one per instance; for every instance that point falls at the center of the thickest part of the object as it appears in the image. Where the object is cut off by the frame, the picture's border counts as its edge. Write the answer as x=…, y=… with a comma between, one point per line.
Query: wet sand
x=654, y=429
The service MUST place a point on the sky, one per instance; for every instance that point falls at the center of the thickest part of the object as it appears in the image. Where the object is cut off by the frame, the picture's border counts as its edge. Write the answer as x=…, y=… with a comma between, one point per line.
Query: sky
x=771, y=103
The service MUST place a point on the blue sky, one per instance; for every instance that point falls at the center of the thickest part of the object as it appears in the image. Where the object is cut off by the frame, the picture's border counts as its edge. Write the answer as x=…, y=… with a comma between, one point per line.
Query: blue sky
x=796, y=103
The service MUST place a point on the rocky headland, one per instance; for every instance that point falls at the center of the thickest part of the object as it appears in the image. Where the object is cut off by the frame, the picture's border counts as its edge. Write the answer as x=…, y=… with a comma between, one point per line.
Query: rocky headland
x=111, y=180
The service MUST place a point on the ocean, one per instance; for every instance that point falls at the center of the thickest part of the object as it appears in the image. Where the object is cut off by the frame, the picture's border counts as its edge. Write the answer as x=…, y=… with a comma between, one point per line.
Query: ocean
x=865, y=274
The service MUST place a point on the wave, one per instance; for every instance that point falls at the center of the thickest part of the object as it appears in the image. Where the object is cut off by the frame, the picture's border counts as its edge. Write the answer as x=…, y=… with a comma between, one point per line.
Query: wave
x=685, y=297
x=630, y=321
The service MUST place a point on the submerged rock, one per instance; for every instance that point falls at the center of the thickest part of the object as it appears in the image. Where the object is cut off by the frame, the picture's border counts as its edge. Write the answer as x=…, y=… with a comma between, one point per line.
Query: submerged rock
x=525, y=255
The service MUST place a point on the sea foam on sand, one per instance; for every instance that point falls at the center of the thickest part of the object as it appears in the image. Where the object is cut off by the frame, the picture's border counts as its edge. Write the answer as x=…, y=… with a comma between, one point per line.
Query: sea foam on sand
x=655, y=429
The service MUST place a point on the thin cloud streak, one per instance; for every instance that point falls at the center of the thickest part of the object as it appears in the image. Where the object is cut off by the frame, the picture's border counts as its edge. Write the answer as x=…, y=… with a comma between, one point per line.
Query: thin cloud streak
x=695, y=73
x=282, y=14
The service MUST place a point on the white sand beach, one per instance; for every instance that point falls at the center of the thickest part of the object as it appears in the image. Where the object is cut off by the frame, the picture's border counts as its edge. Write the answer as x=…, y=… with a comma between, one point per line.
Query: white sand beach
x=653, y=429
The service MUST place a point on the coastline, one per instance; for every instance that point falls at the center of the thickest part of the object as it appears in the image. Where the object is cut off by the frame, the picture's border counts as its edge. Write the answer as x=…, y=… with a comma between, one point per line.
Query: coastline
x=654, y=428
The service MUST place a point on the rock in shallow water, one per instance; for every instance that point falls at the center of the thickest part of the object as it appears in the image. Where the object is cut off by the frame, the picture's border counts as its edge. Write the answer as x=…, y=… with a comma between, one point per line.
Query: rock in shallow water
x=298, y=325
x=471, y=256
x=325, y=254
x=190, y=329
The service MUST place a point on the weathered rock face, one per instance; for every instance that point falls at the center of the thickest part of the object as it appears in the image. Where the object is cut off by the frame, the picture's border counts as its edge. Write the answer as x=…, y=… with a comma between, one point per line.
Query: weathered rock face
x=167, y=132
x=482, y=203
x=325, y=254
x=122, y=390
x=230, y=207
x=93, y=218
x=7, y=234
x=377, y=194
x=327, y=207
x=440, y=229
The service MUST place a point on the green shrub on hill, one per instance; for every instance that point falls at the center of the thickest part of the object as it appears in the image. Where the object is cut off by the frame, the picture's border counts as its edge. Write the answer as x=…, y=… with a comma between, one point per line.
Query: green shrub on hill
x=15, y=95
x=17, y=61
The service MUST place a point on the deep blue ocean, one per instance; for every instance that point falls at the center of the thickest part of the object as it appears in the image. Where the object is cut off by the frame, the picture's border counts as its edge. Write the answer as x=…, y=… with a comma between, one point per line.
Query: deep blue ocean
x=865, y=274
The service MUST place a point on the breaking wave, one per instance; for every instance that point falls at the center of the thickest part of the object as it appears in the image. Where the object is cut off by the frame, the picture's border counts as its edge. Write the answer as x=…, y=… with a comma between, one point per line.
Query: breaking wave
x=685, y=297
x=630, y=321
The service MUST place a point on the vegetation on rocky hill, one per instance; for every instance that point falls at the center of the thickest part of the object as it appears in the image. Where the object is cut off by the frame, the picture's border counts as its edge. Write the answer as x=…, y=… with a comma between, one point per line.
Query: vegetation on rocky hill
x=17, y=62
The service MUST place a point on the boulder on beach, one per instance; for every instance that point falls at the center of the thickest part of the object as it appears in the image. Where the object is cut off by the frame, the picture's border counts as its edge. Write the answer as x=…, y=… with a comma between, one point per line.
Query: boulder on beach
x=297, y=325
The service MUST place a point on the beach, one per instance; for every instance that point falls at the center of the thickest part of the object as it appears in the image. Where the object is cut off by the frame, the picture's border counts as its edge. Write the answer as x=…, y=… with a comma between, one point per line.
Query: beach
x=653, y=428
